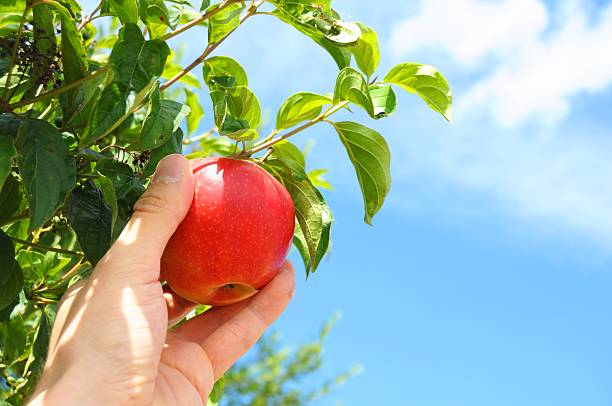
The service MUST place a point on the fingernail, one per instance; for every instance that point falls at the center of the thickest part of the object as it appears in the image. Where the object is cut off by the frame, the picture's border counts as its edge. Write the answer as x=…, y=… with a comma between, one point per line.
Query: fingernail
x=170, y=169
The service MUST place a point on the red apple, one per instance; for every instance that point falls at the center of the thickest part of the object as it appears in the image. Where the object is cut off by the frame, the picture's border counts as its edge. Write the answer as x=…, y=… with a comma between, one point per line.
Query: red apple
x=235, y=236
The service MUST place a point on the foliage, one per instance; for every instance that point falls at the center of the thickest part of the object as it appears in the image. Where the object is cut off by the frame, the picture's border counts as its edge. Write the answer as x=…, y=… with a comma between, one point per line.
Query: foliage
x=86, y=112
x=275, y=376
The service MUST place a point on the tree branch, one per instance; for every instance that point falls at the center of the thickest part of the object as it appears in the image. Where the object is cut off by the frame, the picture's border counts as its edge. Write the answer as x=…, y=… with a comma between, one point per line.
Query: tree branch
x=333, y=109
x=210, y=48
x=19, y=216
x=61, y=89
x=46, y=248
x=90, y=17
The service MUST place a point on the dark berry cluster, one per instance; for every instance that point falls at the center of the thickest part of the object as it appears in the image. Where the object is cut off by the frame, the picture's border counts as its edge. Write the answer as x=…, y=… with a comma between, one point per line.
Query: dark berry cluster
x=36, y=54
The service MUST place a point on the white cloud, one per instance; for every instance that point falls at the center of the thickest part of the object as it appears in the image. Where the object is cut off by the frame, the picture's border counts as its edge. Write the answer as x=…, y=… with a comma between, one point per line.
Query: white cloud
x=549, y=182
x=538, y=58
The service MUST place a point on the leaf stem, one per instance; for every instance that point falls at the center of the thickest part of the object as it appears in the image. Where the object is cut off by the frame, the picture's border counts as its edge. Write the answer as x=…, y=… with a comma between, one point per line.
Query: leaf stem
x=19, y=216
x=333, y=109
x=210, y=48
x=61, y=89
x=208, y=133
x=266, y=155
x=90, y=17
x=46, y=248
x=73, y=271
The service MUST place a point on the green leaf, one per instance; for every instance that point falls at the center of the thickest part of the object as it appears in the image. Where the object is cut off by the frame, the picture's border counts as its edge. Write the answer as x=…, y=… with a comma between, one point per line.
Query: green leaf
x=383, y=99
x=300, y=107
x=352, y=86
x=126, y=10
x=205, y=4
x=217, y=391
x=370, y=155
x=128, y=186
x=74, y=59
x=341, y=54
x=223, y=71
x=366, y=51
x=7, y=153
x=47, y=168
x=40, y=347
x=154, y=11
x=5, y=314
x=113, y=108
x=11, y=277
x=110, y=197
x=197, y=112
x=91, y=219
x=45, y=44
x=14, y=340
x=286, y=151
x=245, y=134
x=317, y=23
x=311, y=212
x=224, y=22
x=137, y=62
x=173, y=146
x=163, y=119
x=10, y=198
x=236, y=109
x=425, y=81
x=317, y=178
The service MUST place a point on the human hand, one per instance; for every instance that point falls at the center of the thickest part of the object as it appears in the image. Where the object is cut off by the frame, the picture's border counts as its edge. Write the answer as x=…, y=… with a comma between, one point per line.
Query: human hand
x=110, y=343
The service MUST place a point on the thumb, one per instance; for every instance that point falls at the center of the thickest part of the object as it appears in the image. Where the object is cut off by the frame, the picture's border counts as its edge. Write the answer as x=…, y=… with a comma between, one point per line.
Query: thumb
x=156, y=216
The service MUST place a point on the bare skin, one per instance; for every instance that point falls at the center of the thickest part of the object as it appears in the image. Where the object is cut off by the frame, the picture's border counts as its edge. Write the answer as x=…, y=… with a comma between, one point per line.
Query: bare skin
x=110, y=343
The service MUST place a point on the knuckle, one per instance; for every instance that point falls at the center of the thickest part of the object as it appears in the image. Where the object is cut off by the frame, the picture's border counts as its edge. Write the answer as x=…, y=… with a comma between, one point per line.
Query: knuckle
x=241, y=334
x=151, y=203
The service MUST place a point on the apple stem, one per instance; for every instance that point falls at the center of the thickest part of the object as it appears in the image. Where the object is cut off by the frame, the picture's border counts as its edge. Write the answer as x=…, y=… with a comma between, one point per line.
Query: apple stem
x=266, y=156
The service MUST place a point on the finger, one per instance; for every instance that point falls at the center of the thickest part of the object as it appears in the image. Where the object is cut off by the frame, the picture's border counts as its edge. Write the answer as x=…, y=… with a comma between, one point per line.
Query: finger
x=200, y=327
x=234, y=337
x=177, y=306
x=156, y=216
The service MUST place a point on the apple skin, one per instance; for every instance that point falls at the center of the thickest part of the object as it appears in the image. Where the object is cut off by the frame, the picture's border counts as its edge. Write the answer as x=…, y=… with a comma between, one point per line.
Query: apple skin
x=236, y=235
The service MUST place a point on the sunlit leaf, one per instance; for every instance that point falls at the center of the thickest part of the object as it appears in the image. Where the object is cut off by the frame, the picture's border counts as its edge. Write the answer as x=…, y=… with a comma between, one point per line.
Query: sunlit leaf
x=163, y=119
x=352, y=86
x=225, y=21
x=425, y=81
x=300, y=107
x=366, y=51
x=371, y=158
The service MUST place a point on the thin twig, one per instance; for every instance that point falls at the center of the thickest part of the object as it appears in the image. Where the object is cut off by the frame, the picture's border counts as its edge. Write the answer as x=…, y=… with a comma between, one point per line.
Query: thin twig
x=333, y=109
x=61, y=89
x=18, y=217
x=73, y=271
x=197, y=21
x=200, y=137
x=46, y=248
x=90, y=17
x=210, y=48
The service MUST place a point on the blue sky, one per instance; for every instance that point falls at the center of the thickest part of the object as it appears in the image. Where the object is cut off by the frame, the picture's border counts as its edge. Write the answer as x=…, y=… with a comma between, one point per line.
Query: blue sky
x=487, y=278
